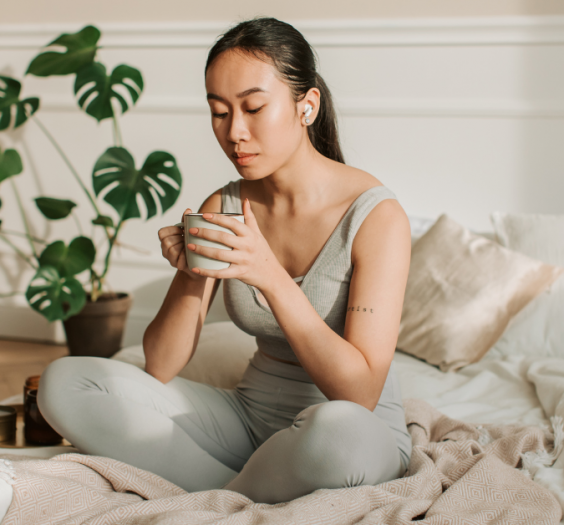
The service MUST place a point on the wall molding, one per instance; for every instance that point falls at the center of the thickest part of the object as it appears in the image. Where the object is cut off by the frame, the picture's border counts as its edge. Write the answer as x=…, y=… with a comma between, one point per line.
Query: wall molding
x=473, y=31
x=349, y=107
x=501, y=30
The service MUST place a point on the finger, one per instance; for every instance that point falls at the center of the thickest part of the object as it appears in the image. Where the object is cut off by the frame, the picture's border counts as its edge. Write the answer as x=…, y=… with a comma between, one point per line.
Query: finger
x=175, y=253
x=229, y=239
x=233, y=224
x=171, y=240
x=169, y=230
x=227, y=273
x=250, y=219
x=219, y=254
x=171, y=252
x=186, y=211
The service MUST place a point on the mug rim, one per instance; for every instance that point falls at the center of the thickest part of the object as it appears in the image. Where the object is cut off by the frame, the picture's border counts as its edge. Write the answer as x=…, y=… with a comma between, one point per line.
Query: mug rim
x=214, y=212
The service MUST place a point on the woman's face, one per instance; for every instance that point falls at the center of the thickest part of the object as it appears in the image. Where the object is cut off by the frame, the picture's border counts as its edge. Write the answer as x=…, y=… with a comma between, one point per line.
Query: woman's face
x=252, y=113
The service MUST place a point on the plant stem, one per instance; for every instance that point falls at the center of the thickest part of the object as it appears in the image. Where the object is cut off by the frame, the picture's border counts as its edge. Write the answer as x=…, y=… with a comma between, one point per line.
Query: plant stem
x=24, y=218
x=19, y=234
x=70, y=166
x=110, y=247
x=77, y=222
x=96, y=285
x=18, y=251
x=117, y=132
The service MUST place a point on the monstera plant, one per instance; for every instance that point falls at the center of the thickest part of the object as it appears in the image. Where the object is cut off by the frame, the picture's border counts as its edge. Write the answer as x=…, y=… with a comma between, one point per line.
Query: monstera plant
x=70, y=277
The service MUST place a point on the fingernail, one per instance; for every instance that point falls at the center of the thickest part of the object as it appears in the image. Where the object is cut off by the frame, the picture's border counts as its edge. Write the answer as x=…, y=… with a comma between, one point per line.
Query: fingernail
x=194, y=230
x=191, y=246
x=207, y=215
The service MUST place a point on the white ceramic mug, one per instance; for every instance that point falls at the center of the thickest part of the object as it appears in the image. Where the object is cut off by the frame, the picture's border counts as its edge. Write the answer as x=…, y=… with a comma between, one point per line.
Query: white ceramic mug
x=196, y=260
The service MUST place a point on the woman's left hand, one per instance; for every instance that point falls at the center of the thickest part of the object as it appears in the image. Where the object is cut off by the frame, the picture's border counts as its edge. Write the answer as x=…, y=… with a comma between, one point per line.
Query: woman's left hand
x=252, y=260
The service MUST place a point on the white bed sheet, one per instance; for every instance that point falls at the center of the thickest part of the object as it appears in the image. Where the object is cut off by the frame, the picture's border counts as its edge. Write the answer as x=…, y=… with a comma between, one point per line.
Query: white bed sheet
x=517, y=389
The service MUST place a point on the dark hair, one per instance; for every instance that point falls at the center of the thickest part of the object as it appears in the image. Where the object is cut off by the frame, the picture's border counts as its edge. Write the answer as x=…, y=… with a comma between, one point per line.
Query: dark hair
x=294, y=58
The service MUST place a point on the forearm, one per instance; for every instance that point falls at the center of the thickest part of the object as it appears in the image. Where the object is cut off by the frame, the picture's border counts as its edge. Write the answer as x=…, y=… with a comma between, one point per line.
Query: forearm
x=169, y=340
x=337, y=367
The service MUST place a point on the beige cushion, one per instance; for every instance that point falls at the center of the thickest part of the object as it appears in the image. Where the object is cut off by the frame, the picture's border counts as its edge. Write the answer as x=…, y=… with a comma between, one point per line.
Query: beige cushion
x=221, y=357
x=462, y=290
x=538, y=329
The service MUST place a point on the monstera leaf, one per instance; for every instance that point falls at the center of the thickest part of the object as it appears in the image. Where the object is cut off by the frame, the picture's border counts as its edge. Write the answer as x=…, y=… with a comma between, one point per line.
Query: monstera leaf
x=10, y=89
x=10, y=164
x=158, y=180
x=55, y=296
x=100, y=106
x=81, y=50
x=54, y=209
x=103, y=220
x=69, y=260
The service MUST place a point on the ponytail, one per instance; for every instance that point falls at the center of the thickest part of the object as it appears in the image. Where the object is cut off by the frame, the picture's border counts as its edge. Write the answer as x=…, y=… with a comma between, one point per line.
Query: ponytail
x=290, y=53
x=323, y=132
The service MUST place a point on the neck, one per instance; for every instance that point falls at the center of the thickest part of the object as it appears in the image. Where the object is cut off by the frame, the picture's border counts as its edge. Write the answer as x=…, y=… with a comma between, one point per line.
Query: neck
x=301, y=183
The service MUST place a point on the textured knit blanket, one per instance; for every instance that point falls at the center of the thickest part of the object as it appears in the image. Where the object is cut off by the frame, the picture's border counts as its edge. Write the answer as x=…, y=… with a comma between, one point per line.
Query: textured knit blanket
x=459, y=473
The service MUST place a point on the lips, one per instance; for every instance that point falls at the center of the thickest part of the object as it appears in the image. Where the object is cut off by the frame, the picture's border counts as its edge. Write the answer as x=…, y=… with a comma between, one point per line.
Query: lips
x=241, y=154
x=243, y=159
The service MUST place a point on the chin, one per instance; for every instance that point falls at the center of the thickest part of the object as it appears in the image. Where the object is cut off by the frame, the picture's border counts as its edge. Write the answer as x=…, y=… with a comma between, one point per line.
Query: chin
x=252, y=173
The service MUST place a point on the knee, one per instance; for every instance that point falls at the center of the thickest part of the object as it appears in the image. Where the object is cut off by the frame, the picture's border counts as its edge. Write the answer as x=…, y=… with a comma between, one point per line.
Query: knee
x=347, y=444
x=334, y=429
x=59, y=385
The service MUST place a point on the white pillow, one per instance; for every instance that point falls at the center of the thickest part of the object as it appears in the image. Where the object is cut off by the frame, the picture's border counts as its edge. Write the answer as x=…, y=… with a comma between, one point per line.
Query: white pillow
x=538, y=329
x=220, y=360
x=419, y=225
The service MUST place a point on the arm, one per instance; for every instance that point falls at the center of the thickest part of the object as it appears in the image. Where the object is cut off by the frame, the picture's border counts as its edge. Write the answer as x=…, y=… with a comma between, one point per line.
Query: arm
x=353, y=367
x=171, y=338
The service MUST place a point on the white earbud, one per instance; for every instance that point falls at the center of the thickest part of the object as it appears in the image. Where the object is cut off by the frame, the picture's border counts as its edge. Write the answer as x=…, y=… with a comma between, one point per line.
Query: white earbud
x=307, y=112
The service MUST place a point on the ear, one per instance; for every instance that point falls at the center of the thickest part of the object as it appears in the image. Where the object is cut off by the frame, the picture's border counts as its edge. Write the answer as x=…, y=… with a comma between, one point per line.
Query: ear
x=313, y=98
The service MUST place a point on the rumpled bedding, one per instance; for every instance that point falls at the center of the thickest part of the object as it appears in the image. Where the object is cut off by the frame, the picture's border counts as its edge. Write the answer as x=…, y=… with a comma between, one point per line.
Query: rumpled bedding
x=459, y=473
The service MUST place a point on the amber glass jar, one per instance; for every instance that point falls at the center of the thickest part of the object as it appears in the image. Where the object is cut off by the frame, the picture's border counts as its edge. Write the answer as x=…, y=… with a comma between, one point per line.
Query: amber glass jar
x=36, y=429
x=31, y=383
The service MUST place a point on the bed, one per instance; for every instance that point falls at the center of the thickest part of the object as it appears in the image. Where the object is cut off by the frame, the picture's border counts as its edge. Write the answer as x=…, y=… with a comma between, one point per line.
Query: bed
x=488, y=435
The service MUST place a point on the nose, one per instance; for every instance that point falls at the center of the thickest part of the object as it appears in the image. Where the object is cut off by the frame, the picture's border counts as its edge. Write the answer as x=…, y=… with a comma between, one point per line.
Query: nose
x=238, y=129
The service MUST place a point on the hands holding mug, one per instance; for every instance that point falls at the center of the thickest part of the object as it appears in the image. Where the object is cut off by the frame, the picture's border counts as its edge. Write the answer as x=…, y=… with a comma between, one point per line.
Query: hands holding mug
x=173, y=248
x=227, y=248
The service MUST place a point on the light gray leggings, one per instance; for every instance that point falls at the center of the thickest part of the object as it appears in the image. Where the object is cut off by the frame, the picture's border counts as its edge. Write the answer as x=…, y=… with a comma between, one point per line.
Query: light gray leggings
x=272, y=438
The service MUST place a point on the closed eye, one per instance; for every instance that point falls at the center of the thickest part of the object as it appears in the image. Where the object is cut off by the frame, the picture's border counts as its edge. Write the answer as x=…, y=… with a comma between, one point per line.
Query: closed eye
x=223, y=115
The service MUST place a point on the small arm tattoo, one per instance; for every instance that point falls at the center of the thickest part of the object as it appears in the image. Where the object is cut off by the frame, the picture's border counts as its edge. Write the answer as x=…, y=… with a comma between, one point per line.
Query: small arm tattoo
x=359, y=309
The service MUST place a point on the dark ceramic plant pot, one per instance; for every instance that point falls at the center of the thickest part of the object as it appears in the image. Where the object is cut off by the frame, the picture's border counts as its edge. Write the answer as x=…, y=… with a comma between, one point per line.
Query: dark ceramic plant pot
x=97, y=330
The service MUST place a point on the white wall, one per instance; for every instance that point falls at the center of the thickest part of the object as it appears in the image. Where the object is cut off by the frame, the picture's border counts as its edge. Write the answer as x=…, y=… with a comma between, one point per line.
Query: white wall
x=463, y=116
x=79, y=11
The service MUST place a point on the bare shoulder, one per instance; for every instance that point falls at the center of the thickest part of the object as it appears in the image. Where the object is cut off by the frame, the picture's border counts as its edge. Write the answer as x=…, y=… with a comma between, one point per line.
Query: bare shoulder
x=386, y=227
x=212, y=204
x=356, y=179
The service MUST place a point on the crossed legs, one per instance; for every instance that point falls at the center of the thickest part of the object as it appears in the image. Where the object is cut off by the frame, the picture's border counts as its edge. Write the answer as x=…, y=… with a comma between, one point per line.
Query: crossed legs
x=190, y=434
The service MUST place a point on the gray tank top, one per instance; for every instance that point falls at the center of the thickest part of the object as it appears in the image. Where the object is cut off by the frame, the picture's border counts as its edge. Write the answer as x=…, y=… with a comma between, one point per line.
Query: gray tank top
x=326, y=285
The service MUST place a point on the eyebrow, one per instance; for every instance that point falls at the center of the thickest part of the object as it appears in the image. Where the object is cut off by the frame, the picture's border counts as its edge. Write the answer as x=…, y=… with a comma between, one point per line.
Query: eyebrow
x=243, y=94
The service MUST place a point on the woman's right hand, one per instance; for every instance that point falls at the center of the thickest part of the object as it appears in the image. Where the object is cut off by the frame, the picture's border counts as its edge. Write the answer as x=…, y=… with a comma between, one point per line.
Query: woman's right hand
x=173, y=247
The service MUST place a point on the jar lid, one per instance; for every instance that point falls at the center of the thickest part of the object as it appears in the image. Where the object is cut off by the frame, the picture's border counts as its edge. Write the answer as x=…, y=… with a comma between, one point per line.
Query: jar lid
x=7, y=413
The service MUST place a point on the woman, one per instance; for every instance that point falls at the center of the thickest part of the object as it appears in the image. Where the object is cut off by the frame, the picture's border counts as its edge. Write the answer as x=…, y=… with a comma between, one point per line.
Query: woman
x=318, y=274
